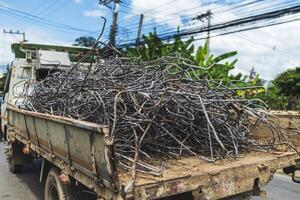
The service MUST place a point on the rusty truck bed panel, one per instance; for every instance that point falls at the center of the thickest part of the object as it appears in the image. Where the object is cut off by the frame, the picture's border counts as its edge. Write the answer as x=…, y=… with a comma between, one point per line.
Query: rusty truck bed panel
x=75, y=146
x=82, y=124
x=289, y=121
x=211, y=181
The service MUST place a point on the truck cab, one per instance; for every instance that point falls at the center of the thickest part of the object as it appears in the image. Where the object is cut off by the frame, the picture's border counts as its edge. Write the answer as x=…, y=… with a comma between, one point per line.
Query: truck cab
x=31, y=64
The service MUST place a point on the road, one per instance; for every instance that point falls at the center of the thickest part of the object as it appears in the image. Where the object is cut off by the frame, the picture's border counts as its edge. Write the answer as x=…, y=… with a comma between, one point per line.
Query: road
x=26, y=186
x=282, y=187
x=22, y=186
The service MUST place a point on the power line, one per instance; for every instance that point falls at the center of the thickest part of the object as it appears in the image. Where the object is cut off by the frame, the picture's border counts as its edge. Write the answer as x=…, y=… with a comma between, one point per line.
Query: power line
x=256, y=43
x=169, y=14
x=132, y=26
x=203, y=7
x=50, y=12
x=236, y=23
x=252, y=28
x=214, y=11
x=170, y=20
x=241, y=5
x=46, y=8
x=153, y=9
x=247, y=20
x=34, y=10
x=40, y=20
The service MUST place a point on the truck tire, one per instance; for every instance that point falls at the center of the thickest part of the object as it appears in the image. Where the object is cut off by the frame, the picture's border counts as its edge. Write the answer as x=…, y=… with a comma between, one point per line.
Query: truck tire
x=55, y=190
x=14, y=166
x=4, y=134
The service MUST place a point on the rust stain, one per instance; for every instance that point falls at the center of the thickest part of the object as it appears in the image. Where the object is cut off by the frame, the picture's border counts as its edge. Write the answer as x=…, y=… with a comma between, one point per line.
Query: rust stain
x=62, y=153
x=210, y=181
x=64, y=120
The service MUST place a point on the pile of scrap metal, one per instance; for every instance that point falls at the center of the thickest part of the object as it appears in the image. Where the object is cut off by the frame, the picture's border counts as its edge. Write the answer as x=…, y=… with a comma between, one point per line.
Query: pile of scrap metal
x=159, y=107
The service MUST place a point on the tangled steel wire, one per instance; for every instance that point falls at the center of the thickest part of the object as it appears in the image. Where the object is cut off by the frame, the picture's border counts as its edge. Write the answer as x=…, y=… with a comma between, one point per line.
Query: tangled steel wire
x=155, y=108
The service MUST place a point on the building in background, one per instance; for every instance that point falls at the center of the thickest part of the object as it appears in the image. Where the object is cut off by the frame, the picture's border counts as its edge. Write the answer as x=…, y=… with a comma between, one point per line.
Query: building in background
x=252, y=74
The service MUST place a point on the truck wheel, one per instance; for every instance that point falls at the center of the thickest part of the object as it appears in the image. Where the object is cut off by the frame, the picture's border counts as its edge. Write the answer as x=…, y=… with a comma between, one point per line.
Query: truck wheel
x=15, y=166
x=55, y=190
x=4, y=134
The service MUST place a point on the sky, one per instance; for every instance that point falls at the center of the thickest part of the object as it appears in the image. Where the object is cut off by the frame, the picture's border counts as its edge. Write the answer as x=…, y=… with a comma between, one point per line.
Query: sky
x=269, y=50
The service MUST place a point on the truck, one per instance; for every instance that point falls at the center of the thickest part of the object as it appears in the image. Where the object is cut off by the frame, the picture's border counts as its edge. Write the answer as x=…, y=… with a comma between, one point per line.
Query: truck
x=78, y=155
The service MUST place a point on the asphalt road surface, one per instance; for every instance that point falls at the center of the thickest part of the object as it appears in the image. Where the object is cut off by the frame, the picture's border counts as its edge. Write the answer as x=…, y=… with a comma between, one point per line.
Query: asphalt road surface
x=26, y=186
x=282, y=187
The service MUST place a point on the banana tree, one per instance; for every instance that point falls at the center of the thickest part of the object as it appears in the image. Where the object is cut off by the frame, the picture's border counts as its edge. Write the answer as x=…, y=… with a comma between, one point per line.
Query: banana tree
x=153, y=47
x=217, y=67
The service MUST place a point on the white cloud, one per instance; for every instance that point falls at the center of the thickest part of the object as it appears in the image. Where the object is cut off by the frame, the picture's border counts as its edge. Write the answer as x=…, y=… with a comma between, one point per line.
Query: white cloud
x=164, y=11
x=270, y=50
x=5, y=52
x=93, y=13
x=78, y=1
x=6, y=4
x=100, y=11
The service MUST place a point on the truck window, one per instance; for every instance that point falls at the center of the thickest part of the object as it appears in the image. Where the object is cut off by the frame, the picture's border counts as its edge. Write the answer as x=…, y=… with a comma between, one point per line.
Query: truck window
x=42, y=73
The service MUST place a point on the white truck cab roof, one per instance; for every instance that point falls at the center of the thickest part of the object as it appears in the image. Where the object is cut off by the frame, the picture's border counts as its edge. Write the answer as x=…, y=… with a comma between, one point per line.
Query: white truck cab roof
x=32, y=63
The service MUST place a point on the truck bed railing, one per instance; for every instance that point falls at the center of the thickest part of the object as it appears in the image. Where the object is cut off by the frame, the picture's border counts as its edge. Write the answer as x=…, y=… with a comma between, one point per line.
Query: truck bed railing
x=80, y=148
x=83, y=151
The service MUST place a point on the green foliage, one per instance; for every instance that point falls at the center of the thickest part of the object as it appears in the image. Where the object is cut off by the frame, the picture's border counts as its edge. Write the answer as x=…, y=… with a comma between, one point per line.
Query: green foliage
x=206, y=65
x=288, y=83
x=153, y=47
x=284, y=90
x=217, y=69
x=85, y=41
x=274, y=99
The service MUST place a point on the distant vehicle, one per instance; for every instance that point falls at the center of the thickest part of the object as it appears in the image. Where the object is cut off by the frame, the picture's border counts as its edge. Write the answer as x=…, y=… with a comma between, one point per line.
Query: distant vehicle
x=78, y=155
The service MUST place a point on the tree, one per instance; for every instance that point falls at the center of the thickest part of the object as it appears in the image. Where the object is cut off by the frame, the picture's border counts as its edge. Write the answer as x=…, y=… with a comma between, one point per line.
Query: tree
x=287, y=86
x=218, y=69
x=209, y=65
x=153, y=47
x=85, y=41
x=274, y=99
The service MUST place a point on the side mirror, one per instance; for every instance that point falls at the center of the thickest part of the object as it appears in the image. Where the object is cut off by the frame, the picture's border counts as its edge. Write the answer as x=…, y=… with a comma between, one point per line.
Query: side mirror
x=289, y=170
x=296, y=174
x=294, y=170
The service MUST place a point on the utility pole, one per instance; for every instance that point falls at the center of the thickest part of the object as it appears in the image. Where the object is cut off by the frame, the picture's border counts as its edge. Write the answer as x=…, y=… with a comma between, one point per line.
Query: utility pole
x=113, y=31
x=15, y=33
x=207, y=16
x=139, y=33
